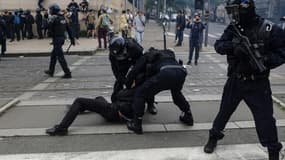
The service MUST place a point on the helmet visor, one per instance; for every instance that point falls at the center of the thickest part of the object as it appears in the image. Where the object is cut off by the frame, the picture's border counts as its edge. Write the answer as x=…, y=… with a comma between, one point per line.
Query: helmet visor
x=233, y=13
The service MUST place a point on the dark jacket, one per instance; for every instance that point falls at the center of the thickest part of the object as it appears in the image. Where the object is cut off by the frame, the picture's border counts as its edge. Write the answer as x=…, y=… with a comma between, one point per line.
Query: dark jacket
x=272, y=47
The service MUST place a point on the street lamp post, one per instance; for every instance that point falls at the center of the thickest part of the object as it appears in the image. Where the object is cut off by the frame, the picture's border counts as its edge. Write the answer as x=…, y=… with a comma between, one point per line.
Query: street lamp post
x=207, y=14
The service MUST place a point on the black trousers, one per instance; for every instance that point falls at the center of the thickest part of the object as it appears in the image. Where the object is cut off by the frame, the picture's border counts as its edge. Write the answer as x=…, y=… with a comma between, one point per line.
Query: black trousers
x=98, y=105
x=3, y=45
x=168, y=79
x=57, y=54
x=257, y=95
x=39, y=30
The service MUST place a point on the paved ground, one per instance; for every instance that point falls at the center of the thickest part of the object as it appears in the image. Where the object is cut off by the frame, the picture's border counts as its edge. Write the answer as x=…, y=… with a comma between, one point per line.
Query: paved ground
x=43, y=103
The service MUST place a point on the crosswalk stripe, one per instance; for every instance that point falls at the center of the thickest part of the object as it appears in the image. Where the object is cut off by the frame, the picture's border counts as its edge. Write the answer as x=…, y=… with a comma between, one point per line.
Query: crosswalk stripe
x=232, y=152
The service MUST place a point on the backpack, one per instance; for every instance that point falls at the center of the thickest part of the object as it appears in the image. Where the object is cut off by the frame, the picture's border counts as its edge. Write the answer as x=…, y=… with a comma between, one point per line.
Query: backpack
x=16, y=19
x=105, y=21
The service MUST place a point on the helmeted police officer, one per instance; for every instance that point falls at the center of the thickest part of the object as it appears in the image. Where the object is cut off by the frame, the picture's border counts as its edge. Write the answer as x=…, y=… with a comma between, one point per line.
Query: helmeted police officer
x=119, y=110
x=246, y=81
x=57, y=28
x=163, y=73
x=29, y=24
x=3, y=34
x=39, y=22
x=22, y=23
x=123, y=54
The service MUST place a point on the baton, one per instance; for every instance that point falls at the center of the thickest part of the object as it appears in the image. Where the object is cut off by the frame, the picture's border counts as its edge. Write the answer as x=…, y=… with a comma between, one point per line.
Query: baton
x=67, y=51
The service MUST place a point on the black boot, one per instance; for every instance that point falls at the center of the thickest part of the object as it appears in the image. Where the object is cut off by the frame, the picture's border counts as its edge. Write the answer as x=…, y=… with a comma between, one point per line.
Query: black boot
x=57, y=131
x=273, y=155
x=66, y=76
x=187, y=118
x=211, y=145
x=151, y=109
x=135, y=125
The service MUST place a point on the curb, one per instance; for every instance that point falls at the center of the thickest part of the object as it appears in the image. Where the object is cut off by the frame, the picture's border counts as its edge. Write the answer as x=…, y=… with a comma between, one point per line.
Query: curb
x=9, y=105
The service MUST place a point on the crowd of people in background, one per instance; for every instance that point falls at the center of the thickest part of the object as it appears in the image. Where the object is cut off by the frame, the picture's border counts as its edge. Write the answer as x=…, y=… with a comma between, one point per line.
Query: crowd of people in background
x=21, y=24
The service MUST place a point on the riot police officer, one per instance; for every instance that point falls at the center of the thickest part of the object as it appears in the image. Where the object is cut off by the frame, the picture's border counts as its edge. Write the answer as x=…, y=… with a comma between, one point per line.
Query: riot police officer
x=163, y=73
x=3, y=33
x=123, y=54
x=119, y=110
x=29, y=24
x=39, y=23
x=22, y=23
x=57, y=27
x=245, y=80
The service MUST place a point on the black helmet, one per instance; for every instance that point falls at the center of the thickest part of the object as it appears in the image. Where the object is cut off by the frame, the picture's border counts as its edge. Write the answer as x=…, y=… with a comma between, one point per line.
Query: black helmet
x=117, y=48
x=240, y=10
x=54, y=9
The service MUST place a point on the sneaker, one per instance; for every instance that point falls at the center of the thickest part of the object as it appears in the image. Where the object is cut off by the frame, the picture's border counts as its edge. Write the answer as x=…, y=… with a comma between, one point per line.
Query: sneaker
x=57, y=131
x=196, y=63
x=48, y=72
x=187, y=118
x=66, y=76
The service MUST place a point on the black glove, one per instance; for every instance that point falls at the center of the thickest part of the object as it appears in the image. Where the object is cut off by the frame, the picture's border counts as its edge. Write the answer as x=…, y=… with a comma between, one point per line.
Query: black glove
x=72, y=41
x=239, y=51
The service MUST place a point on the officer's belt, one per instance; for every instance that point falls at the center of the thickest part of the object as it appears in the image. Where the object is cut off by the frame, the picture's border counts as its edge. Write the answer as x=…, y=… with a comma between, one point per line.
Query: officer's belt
x=250, y=77
x=172, y=67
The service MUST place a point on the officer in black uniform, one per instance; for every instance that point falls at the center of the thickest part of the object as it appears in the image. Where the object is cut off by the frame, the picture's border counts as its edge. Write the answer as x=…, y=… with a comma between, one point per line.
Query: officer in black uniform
x=3, y=33
x=119, y=110
x=57, y=27
x=22, y=23
x=29, y=24
x=163, y=72
x=123, y=54
x=245, y=81
x=39, y=23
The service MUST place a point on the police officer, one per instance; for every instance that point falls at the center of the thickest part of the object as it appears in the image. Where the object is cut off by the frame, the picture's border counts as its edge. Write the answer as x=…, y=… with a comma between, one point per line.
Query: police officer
x=57, y=27
x=245, y=81
x=3, y=33
x=123, y=54
x=29, y=24
x=39, y=23
x=195, y=35
x=117, y=111
x=163, y=73
x=22, y=23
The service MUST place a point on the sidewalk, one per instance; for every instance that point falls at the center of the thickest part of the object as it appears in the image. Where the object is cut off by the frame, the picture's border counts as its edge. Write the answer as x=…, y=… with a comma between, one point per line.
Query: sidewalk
x=42, y=47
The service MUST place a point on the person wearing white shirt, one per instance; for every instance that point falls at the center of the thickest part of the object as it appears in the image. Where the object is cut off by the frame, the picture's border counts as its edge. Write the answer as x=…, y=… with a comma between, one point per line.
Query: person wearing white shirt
x=139, y=26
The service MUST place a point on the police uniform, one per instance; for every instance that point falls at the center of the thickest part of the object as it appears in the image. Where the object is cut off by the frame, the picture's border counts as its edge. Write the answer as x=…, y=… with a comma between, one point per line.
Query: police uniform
x=39, y=23
x=29, y=24
x=246, y=82
x=118, y=111
x=123, y=55
x=163, y=73
x=57, y=28
x=3, y=31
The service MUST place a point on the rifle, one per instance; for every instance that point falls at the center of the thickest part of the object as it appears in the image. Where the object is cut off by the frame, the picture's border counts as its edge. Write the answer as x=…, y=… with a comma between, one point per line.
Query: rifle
x=255, y=58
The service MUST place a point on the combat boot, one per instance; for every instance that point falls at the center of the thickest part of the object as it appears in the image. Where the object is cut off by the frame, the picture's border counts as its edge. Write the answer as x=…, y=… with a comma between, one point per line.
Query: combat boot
x=151, y=109
x=211, y=144
x=187, y=118
x=273, y=155
x=57, y=131
x=135, y=125
x=66, y=76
